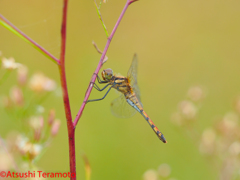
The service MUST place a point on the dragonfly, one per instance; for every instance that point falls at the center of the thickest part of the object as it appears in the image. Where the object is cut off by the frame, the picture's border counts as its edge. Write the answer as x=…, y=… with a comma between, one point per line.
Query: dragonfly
x=130, y=95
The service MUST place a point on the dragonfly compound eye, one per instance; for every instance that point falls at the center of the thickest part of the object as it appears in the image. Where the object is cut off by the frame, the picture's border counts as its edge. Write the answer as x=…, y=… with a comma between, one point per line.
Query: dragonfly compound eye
x=108, y=73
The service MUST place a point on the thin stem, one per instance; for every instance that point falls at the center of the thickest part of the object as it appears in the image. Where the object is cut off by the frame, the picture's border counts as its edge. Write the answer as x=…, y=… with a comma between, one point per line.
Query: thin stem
x=99, y=51
x=79, y=114
x=100, y=4
x=7, y=24
x=62, y=66
x=100, y=16
x=70, y=127
x=5, y=76
x=132, y=1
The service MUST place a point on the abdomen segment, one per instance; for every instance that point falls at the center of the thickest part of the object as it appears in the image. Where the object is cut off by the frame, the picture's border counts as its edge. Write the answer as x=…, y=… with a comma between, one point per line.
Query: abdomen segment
x=155, y=129
x=135, y=104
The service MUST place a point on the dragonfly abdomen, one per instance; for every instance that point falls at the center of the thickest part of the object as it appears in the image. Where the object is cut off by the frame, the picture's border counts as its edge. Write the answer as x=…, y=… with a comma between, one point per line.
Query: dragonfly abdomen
x=155, y=129
x=134, y=105
x=133, y=101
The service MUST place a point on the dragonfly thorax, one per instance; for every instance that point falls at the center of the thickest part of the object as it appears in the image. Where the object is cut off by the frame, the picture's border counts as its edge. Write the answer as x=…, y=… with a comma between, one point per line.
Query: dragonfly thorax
x=107, y=74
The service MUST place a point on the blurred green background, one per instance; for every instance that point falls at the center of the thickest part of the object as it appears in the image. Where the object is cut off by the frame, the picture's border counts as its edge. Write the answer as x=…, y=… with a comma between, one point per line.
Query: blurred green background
x=179, y=44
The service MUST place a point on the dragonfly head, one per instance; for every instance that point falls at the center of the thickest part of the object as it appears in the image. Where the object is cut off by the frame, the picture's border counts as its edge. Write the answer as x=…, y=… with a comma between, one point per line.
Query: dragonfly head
x=107, y=74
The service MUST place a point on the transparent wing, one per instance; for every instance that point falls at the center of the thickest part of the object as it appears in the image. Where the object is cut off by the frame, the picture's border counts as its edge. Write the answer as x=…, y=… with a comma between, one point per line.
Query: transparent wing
x=132, y=76
x=120, y=108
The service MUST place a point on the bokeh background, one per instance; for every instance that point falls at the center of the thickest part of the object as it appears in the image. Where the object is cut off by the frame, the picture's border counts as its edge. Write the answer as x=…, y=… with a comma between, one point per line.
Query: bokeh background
x=180, y=44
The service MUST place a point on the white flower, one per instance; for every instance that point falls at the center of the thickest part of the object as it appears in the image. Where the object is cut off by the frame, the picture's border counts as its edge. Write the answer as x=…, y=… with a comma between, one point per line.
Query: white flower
x=208, y=136
x=36, y=122
x=188, y=109
x=22, y=144
x=39, y=82
x=40, y=109
x=27, y=148
x=196, y=93
x=164, y=170
x=150, y=175
x=230, y=120
x=10, y=63
x=234, y=148
x=207, y=143
x=35, y=150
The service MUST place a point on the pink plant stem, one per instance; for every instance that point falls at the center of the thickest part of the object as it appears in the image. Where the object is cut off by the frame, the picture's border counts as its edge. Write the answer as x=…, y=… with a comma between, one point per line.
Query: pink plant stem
x=29, y=39
x=61, y=64
x=79, y=114
x=70, y=127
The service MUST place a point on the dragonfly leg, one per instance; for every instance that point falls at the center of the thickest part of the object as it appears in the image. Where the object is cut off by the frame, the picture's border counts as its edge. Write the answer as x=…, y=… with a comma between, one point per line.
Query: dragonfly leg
x=99, y=80
x=100, y=98
x=97, y=88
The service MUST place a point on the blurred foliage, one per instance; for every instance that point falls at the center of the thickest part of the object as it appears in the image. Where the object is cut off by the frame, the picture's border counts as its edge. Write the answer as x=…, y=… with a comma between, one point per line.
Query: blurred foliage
x=218, y=143
x=30, y=134
x=180, y=44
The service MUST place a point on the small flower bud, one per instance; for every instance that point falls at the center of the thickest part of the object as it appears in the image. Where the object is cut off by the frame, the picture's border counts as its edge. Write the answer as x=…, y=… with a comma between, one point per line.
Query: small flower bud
x=188, y=109
x=229, y=125
x=55, y=127
x=237, y=104
x=37, y=124
x=164, y=170
x=196, y=93
x=234, y=148
x=22, y=75
x=41, y=122
x=150, y=175
x=207, y=141
x=17, y=96
x=40, y=109
x=51, y=117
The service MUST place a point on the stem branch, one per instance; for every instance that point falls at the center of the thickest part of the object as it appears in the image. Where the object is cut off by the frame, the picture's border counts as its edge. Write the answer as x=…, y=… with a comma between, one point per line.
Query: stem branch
x=100, y=17
x=7, y=24
x=70, y=127
x=79, y=114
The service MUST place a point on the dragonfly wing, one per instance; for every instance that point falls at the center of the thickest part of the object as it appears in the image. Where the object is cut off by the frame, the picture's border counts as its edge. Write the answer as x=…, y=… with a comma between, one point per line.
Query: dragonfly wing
x=137, y=92
x=132, y=72
x=120, y=108
x=132, y=76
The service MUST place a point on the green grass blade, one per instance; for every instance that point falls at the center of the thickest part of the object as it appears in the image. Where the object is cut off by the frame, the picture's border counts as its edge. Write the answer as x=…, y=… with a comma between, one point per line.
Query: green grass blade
x=17, y=32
